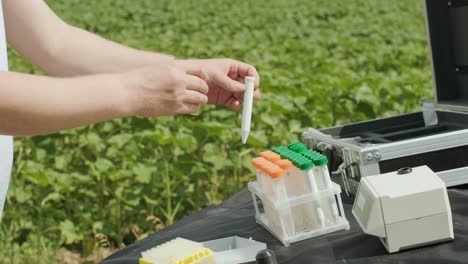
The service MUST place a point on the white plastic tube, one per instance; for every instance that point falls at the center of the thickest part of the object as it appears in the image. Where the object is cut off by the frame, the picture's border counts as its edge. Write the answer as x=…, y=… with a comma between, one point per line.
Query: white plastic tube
x=247, y=107
x=290, y=182
x=280, y=194
x=295, y=182
x=324, y=175
x=279, y=189
x=259, y=175
x=314, y=190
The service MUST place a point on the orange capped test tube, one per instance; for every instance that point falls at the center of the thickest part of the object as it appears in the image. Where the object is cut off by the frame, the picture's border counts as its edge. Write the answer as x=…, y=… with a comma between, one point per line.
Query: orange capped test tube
x=270, y=156
x=279, y=194
x=262, y=178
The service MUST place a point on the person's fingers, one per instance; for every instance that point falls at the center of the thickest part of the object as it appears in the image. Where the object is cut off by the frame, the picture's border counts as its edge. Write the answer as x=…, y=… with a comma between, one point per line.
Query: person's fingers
x=194, y=97
x=233, y=103
x=252, y=71
x=244, y=69
x=236, y=105
x=189, y=108
x=197, y=84
x=193, y=67
x=257, y=95
x=223, y=81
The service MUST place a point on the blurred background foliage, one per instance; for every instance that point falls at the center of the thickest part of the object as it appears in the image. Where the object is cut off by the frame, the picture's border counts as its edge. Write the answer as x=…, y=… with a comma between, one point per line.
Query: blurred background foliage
x=322, y=63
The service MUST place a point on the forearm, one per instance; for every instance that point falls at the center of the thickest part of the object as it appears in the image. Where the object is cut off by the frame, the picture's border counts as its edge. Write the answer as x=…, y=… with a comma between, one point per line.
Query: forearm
x=32, y=105
x=62, y=50
x=80, y=52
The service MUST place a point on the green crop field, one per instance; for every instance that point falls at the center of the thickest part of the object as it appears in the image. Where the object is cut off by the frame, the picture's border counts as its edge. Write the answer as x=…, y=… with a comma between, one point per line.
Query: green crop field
x=77, y=195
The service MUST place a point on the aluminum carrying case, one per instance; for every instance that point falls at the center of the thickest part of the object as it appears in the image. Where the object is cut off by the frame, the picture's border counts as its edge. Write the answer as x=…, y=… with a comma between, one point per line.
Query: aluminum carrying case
x=437, y=136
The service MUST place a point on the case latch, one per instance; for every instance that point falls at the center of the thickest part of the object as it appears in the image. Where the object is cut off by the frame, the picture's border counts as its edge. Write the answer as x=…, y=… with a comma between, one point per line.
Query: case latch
x=429, y=113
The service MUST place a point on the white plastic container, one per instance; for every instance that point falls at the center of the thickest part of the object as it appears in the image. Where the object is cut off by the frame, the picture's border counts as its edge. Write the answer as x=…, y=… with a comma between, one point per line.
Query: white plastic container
x=277, y=215
x=230, y=250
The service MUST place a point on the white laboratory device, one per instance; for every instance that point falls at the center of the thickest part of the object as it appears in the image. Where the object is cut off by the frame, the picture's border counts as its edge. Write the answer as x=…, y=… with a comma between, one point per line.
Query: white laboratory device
x=405, y=209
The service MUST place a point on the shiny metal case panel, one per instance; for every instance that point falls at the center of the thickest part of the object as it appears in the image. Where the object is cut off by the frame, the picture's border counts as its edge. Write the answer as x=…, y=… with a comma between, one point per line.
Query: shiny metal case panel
x=410, y=140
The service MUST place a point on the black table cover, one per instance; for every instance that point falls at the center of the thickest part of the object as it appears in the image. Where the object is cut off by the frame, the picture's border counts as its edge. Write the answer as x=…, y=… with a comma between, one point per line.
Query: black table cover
x=235, y=217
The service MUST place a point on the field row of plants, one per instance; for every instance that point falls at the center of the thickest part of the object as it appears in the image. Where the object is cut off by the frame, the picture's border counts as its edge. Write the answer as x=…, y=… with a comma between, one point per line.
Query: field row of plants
x=322, y=63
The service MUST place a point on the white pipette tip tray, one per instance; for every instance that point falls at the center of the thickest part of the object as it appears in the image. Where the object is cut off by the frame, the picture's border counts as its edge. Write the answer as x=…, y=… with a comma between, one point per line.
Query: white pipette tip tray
x=234, y=249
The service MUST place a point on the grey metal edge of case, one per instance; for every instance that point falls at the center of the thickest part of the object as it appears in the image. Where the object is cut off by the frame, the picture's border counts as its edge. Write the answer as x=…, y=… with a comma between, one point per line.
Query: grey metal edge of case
x=379, y=146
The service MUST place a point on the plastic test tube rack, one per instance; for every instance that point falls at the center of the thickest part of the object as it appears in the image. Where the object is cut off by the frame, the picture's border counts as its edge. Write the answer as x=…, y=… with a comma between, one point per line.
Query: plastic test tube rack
x=299, y=199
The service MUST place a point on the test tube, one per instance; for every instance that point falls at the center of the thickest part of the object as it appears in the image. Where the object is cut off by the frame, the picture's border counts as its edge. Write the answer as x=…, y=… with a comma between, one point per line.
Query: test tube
x=296, y=185
x=247, y=107
x=278, y=183
x=280, y=194
x=289, y=179
x=321, y=170
x=310, y=175
x=270, y=157
x=265, y=178
x=320, y=162
x=257, y=163
x=286, y=164
x=307, y=165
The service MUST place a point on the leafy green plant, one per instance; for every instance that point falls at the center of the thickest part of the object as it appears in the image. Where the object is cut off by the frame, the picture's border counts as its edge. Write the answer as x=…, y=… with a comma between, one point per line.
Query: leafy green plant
x=322, y=63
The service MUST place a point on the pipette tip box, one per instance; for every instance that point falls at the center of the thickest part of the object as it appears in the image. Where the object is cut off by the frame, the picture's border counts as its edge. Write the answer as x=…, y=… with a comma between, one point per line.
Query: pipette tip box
x=227, y=250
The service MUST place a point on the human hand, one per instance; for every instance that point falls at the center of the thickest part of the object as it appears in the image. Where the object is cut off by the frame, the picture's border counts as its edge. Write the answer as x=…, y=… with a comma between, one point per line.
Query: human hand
x=164, y=90
x=225, y=79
